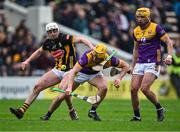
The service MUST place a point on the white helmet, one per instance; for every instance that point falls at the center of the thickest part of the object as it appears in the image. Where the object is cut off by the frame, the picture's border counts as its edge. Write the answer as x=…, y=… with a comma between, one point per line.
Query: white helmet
x=52, y=25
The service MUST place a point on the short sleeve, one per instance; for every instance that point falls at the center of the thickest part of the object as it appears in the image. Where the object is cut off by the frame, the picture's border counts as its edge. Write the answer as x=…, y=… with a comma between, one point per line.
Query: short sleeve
x=45, y=44
x=114, y=61
x=66, y=39
x=83, y=60
x=160, y=31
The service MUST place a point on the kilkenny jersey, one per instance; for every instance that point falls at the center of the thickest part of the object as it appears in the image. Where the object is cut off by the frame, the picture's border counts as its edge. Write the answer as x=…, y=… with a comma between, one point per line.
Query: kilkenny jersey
x=148, y=41
x=62, y=49
x=86, y=62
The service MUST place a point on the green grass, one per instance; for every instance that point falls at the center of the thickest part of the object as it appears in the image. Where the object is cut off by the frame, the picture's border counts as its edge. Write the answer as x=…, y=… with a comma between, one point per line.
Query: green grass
x=115, y=115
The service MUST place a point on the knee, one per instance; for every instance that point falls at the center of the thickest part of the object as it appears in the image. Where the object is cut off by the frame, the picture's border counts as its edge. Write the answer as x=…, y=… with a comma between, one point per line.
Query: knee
x=134, y=91
x=144, y=89
x=103, y=88
x=38, y=88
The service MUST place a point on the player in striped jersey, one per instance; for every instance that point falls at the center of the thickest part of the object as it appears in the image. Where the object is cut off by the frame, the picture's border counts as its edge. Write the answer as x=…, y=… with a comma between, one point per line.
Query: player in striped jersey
x=61, y=47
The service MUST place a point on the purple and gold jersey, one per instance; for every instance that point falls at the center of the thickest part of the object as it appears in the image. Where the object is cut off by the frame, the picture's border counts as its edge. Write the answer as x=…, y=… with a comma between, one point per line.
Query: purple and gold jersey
x=148, y=41
x=86, y=62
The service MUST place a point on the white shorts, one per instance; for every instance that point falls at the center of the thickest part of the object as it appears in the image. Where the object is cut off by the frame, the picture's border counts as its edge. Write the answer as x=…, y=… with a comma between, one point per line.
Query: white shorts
x=82, y=77
x=142, y=68
x=59, y=73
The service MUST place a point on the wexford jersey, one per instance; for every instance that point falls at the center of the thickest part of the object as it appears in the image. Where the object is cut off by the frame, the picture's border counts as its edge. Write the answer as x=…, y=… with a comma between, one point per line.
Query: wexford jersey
x=148, y=41
x=62, y=49
x=86, y=62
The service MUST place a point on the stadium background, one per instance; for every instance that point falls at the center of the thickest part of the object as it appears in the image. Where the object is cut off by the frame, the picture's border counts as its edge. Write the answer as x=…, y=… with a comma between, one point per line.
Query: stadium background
x=110, y=21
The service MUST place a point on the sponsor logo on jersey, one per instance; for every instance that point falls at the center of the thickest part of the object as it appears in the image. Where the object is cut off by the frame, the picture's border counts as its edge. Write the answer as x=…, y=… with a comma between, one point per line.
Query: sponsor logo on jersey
x=58, y=53
x=143, y=39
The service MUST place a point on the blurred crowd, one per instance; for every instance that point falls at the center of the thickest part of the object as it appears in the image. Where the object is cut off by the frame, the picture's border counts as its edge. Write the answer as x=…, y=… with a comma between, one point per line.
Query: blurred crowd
x=15, y=47
x=111, y=21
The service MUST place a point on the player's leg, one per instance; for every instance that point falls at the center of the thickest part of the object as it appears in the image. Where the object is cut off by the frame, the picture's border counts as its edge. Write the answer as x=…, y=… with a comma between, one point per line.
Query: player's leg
x=135, y=86
x=147, y=81
x=58, y=100
x=45, y=81
x=101, y=84
x=68, y=99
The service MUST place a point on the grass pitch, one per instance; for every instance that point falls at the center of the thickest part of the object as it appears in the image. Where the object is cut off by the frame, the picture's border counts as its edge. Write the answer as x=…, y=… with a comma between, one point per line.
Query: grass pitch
x=115, y=115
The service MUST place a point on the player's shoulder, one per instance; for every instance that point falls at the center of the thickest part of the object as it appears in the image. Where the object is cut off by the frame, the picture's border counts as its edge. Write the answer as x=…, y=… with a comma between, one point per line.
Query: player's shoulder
x=88, y=53
x=84, y=59
x=46, y=41
x=61, y=35
x=153, y=25
x=64, y=36
x=137, y=28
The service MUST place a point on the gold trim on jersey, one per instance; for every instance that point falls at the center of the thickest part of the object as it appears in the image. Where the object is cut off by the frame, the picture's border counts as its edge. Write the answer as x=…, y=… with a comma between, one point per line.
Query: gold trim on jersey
x=67, y=48
x=90, y=59
x=78, y=64
x=148, y=33
x=73, y=39
x=73, y=46
x=71, y=61
x=163, y=37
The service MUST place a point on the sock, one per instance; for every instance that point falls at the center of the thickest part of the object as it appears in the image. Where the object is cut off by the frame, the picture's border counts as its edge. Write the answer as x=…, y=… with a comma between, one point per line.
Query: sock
x=70, y=107
x=24, y=107
x=158, y=106
x=49, y=114
x=137, y=113
x=93, y=108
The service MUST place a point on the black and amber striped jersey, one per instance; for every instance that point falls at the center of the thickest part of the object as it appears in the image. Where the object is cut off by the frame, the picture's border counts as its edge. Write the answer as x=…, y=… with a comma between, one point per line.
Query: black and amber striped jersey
x=62, y=49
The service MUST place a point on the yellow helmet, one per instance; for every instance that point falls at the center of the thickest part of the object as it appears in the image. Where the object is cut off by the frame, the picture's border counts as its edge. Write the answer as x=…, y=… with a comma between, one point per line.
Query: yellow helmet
x=100, y=50
x=143, y=12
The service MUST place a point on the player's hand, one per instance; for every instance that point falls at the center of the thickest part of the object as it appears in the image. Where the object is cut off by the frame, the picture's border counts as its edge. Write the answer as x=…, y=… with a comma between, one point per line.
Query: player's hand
x=24, y=65
x=168, y=60
x=117, y=83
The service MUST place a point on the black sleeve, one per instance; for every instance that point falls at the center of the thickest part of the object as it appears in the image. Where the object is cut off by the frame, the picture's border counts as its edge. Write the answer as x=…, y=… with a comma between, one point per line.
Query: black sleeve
x=66, y=39
x=45, y=44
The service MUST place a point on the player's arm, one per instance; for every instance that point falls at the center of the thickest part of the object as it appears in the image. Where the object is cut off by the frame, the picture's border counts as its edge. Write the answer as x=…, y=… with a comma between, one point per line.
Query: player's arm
x=79, y=39
x=135, y=54
x=167, y=40
x=34, y=56
x=125, y=68
x=163, y=36
x=77, y=67
x=119, y=64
